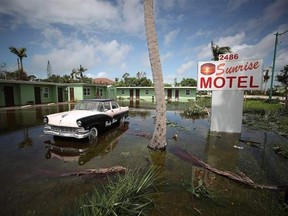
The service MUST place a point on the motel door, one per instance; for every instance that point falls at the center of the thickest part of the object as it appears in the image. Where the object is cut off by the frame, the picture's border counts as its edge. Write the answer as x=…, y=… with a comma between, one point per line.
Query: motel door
x=169, y=93
x=60, y=94
x=9, y=96
x=137, y=94
x=131, y=94
x=177, y=94
x=37, y=95
x=71, y=94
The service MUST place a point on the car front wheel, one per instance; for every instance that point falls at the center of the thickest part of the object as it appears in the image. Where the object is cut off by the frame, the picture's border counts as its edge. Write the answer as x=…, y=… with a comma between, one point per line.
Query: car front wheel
x=93, y=133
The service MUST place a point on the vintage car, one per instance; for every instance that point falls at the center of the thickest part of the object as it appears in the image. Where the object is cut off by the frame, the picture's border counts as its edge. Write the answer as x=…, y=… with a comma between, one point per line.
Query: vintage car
x=86, y=119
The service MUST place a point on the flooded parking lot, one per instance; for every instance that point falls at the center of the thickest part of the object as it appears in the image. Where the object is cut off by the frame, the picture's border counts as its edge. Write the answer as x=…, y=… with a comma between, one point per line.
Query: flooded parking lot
x=33, y=164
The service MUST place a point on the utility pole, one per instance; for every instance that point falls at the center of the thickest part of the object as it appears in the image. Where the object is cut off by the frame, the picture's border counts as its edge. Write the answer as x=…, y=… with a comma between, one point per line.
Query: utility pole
x=274, y=59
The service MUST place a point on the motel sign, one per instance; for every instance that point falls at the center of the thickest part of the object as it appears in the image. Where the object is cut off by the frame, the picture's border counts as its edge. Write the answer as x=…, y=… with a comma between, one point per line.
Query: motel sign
x=230, y=75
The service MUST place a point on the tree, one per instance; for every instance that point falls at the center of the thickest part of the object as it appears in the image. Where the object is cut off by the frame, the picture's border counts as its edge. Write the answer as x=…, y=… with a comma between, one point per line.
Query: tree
x=216, y=51
x=21, y=53
x=77, y=73
x=188, y=82
x=81, y=70
x=140, y=74
x=32, y=78
x=158, y=140
x=283, y=79
x=125, y=76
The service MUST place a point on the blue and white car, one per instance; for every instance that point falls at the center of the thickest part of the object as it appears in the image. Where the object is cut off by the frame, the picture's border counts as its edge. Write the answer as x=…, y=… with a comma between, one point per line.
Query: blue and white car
x=86, y=119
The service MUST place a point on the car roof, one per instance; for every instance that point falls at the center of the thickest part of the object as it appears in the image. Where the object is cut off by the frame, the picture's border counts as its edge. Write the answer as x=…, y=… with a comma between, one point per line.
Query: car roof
x=98, y=100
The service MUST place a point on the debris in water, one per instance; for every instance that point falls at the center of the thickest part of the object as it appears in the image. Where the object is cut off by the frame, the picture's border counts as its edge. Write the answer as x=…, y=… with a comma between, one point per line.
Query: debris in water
x=238, y=147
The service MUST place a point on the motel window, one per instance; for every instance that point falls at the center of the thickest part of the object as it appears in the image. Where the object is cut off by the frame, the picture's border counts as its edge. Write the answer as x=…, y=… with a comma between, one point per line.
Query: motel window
x=146, y=91
x=86, y=91
x=46, y=92
x=187, y=92
x=101, y=92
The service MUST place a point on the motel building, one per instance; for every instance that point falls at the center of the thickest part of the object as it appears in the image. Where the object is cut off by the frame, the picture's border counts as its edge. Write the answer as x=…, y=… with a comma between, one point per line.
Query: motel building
x=21, y=93
x=172, y=94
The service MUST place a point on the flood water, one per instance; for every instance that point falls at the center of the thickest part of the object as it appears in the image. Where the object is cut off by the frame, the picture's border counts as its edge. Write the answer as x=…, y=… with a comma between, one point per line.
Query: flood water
x=33, y=164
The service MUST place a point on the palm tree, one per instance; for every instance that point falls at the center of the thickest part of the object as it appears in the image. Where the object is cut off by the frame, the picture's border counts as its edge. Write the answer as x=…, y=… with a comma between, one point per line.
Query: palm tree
x=21, y=53
x=76, y=72
x=81, y=70
x=216, y=51
x=158, y=140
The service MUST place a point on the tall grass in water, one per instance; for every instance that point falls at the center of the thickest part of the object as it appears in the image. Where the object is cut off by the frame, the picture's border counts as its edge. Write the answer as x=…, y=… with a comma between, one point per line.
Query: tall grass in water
x=130, y=194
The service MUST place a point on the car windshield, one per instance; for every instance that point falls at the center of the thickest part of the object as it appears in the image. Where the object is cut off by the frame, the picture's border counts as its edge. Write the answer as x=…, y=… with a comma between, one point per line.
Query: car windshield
x=89, y=105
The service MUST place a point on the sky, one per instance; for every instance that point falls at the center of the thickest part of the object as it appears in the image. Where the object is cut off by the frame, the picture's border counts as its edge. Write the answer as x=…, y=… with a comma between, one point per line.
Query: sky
x=107, y=37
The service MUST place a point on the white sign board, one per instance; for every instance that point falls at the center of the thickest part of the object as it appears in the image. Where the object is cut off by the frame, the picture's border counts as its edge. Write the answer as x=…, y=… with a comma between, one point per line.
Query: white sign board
x=230, y=75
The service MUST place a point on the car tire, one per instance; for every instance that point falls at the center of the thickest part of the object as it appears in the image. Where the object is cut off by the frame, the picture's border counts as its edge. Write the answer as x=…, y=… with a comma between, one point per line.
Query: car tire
x=93, y=133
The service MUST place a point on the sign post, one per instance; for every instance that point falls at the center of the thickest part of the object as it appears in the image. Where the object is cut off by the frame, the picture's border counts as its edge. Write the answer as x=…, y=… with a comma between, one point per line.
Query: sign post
x=227, y=80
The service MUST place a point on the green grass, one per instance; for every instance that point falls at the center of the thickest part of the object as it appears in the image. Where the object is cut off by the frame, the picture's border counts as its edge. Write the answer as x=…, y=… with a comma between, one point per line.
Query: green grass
x=270, y=116
x=260, y=106
x=130, y=194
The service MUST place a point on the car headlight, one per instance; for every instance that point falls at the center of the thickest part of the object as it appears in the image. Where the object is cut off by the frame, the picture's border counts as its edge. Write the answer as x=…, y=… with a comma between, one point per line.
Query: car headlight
x=45, y=119
x=79, y=123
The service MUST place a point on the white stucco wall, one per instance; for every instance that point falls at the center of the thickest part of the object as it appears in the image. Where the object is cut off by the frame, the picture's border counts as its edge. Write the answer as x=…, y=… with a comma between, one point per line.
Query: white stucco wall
x=227, y=111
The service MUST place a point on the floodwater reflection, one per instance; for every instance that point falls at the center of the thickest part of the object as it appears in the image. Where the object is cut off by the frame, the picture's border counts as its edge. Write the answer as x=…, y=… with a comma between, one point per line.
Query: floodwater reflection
x=82, y=151
x=32, y=164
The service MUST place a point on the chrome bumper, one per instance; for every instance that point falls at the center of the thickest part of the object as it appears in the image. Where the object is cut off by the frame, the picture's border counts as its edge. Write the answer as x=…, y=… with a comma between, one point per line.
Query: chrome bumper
x=79, y=133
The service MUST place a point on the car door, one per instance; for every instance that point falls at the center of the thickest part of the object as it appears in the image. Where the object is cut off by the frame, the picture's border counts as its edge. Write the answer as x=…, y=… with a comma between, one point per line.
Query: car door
x=115, y=107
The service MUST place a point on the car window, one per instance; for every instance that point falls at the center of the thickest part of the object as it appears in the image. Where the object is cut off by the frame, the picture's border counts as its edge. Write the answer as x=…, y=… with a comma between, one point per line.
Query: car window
x=92, y=106
x=101, y=107
x=80, y=106
x=107, y=105
x=114, y=105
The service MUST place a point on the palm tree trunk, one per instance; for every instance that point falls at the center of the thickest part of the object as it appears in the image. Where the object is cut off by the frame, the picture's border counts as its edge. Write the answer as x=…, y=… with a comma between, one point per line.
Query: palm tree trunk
x=158, y=140
x=21, y=69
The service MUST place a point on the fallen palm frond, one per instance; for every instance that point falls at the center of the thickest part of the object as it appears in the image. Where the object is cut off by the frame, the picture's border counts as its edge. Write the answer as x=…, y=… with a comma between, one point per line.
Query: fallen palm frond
x=129, y=194
x=251, y=143
x=241, y=177
x=110, y=170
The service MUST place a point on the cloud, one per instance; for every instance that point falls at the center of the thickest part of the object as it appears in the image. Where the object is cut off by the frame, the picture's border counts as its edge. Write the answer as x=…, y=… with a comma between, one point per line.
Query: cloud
x=67, y=52
x=281, y=60
x=234, y=4
x=114, y=51
x=271, y=15
x=101, y=74
x=170, y=36
x=259, y=50
x=185, y=67
x=231, y=41
x=166, y=56
x=95, y=14
x=275, y=10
